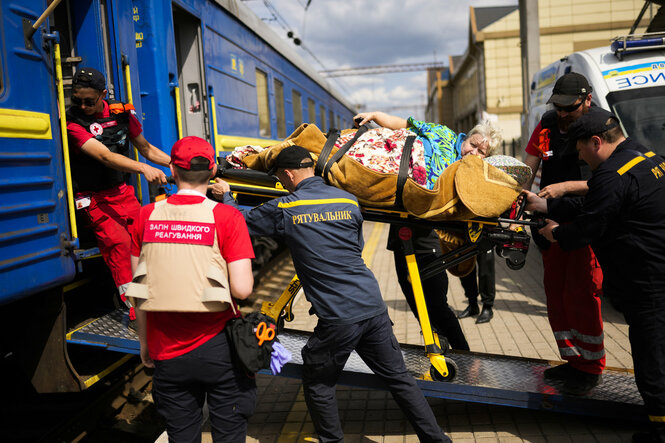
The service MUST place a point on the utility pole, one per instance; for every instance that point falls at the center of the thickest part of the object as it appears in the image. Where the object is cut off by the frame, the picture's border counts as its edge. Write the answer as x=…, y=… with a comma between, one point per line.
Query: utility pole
x=530, y=46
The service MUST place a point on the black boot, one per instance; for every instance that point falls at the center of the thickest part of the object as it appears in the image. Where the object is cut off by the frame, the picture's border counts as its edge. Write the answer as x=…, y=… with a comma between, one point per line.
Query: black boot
x=470, y=310
x=485, y=315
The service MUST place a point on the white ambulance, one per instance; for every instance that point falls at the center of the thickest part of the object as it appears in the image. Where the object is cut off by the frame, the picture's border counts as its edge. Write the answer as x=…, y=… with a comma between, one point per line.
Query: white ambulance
x=627, y=77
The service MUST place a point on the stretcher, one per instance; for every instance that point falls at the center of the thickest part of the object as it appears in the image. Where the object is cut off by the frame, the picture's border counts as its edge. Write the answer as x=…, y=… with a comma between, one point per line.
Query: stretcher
x=480, y=234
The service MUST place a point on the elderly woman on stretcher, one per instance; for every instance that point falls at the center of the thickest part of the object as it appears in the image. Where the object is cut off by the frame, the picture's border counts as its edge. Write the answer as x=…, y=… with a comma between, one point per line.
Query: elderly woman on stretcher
x=444, y=182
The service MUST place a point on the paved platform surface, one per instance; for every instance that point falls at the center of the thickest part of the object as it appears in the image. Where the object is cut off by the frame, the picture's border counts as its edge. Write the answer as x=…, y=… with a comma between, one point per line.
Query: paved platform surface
x=519, y=328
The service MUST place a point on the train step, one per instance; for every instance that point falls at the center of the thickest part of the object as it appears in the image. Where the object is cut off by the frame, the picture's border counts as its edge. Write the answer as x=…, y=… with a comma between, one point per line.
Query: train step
x=481, y=378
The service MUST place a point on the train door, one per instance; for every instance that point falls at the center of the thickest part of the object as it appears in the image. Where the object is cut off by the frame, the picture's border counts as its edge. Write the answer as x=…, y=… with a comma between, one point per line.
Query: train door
x=189, y=55
x=87, y=38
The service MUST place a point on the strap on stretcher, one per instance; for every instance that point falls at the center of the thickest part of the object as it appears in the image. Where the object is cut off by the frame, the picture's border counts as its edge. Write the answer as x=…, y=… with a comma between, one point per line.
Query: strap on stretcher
x=323, y=165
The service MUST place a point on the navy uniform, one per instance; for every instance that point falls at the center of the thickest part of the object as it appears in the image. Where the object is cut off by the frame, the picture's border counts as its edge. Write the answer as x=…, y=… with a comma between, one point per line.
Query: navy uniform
x=623, y=218
x=323, y=227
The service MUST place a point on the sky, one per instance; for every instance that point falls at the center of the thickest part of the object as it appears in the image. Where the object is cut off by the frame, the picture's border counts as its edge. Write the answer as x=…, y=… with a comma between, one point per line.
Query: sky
x=358, y=33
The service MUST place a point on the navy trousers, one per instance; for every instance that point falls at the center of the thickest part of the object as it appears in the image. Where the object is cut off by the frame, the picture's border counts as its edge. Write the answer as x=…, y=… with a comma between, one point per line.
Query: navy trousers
x=435, y=290
x=646, y=332
x=182, y=384
x=324, y=356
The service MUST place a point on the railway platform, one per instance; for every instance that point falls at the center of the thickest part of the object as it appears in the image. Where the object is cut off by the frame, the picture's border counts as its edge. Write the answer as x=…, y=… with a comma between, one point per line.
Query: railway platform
x=519, y=329
x=518, y=332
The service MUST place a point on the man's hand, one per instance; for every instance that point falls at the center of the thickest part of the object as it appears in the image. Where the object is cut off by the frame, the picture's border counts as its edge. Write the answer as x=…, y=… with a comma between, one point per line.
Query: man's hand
x=153, y=175
x=555, y=190
x=546, y=231
x=219, y=188
x=534, y=203
x=145, y=357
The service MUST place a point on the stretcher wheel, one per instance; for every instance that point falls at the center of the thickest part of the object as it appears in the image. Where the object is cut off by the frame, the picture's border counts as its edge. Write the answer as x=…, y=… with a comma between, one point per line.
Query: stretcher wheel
x=452, y=371
x=516, y=264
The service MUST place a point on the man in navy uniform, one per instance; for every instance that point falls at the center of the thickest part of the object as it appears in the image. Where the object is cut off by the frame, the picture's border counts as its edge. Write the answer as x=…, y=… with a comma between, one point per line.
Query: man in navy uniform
x=622, y=217
x=323, y=227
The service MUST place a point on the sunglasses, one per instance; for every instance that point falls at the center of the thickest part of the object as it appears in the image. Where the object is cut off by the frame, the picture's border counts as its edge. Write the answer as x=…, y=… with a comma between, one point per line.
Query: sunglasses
x=88, y=102
x=569, y=108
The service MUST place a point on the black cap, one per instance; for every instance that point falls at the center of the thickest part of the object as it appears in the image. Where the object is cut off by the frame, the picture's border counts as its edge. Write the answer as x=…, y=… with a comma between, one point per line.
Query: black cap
x=569, y=88
x=594, y=122
x=89, y=78
x=292, y=157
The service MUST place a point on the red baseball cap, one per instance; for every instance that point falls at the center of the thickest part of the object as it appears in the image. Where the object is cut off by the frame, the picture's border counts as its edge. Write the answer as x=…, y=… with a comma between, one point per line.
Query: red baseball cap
x=185, y=149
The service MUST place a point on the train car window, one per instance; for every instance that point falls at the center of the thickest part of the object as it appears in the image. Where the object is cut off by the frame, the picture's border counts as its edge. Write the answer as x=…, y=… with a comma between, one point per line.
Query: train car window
x=311, y=111
x=331, y=120
x=262, y=98
x=279, y=108
x=322, y=111
x=337, y=122
x=296, y=100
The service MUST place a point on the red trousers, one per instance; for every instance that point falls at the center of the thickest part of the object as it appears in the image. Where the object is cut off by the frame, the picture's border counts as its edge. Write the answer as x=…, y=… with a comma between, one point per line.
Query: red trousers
x=111, y=216
x=573, y=284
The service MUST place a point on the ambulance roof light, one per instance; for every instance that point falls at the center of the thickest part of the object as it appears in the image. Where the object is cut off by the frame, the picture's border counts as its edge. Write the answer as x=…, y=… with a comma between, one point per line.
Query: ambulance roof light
x=637, y=42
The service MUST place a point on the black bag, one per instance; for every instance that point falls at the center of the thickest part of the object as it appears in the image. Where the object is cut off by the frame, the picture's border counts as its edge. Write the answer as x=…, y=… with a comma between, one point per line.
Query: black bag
x=243, y=337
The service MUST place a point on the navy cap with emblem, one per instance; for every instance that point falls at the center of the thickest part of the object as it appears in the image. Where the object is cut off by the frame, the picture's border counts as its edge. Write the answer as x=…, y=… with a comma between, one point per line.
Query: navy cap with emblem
x=89, y=78
x=292, y=157
x=569, y=88
x=594, y=122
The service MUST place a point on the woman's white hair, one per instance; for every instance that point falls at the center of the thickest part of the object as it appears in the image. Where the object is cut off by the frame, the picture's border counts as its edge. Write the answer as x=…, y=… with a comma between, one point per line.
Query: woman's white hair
x=491, y=133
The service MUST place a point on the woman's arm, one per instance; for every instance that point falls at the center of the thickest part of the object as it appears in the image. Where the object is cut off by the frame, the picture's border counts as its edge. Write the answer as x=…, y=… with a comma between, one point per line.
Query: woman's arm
x=381, y=119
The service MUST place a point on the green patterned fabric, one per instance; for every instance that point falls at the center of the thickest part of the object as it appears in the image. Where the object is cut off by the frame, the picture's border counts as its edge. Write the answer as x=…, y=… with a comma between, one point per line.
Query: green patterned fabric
x=442, y=147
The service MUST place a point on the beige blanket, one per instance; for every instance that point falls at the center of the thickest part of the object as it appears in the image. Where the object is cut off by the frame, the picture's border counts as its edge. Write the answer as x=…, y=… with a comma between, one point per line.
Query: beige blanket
x=468, y=188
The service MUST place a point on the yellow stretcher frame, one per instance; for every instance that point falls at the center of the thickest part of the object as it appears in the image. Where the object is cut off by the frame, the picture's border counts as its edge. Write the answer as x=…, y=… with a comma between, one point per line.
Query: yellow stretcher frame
x=476, y=231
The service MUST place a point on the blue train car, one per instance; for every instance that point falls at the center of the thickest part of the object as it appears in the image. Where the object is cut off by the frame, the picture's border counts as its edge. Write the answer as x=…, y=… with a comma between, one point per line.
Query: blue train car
x=213, y=69
x=43, y=251
x=194, y=67
x=37, y=241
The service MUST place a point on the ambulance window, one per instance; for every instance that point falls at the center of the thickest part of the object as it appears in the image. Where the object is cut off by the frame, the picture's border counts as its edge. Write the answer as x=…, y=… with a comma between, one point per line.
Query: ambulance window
x=263, y=104
x=322, y=111
x=642, y=115
x=311, y=111
x=279, y=108
x=296, y=100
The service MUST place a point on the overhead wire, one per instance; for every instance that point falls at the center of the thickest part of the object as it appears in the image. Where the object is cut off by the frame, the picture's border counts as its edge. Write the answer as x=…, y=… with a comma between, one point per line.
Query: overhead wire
x=286, y=27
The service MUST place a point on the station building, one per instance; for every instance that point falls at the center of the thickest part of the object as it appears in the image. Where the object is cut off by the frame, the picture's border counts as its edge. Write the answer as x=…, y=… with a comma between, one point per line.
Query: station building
x=486, y=81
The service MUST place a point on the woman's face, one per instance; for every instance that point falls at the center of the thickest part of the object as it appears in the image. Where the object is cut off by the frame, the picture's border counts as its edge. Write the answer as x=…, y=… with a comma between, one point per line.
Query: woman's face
x=476, y=145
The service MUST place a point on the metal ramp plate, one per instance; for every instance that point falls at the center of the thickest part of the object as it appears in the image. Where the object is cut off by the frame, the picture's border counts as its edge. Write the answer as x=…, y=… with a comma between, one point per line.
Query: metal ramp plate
x=481, y=378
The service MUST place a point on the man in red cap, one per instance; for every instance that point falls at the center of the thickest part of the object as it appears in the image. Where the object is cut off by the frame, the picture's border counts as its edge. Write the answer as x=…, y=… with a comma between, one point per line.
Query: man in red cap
x=99, y=133
x=572, y=279
x=191, y=257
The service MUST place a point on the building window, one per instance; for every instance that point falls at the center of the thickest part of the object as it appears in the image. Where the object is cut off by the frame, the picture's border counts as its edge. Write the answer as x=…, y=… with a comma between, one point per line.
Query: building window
x=279, y=108
x=263, y=104
x=296, y=98
x=311, y=111
x=322, y=111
